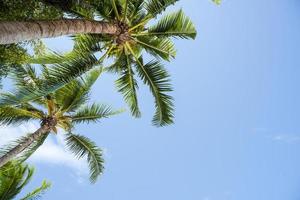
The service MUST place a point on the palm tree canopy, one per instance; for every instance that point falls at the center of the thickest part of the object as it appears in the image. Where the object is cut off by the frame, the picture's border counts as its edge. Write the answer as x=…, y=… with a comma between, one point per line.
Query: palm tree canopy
x=14, y=176
x=63, y=108
x=140, y=33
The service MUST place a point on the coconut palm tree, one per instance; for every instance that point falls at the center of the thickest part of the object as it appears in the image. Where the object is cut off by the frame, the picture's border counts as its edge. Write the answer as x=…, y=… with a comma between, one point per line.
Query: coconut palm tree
x=14, y=176
x=138, y=33
x=16, y=31
x=63, y=109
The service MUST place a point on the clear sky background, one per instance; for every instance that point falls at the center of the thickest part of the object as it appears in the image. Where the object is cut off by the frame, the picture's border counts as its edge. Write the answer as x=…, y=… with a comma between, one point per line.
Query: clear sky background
x=237, y=130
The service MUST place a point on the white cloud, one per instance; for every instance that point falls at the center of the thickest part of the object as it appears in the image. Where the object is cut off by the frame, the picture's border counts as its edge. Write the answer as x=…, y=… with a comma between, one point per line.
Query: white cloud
x=51, y=152
x=278, y=137
x=288, y=138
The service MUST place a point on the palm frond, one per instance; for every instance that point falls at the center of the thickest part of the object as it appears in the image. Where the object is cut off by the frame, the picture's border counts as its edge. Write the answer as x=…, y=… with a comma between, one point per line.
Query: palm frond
x=25, y=75
x=74, y=94
x=93, y=113
x=159, y=47
x=38, y=192
x=115, y=8
x=52, y=57
x=72, y=68
x=8, y=98
x=154, y=75
x=127, y=84
x=135, y=9
x=13, y=178
x=175, y=24
x=73, y=8
x=105, y=10
x=13, y=115
x=82, y=146
x=59, y=75
x=155, y=7
x=88, y=43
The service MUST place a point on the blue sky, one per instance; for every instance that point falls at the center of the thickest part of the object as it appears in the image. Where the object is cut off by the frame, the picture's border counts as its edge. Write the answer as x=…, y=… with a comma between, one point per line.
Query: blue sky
x=237, y=134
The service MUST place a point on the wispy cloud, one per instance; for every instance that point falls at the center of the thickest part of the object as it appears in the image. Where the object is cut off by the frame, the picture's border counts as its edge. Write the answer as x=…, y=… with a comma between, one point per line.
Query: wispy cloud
x=288, y=138
x=51, y=152
x=277, y=136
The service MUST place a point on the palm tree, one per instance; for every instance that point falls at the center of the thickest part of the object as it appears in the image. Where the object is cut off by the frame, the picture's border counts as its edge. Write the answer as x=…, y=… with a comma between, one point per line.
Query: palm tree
x=137, y=34
x=14, y=176
x=17, y=31
x=63, y=109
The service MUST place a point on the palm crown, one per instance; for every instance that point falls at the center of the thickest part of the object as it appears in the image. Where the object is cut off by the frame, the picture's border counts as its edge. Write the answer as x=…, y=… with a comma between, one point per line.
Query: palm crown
x=61, y=109
x=137, y=34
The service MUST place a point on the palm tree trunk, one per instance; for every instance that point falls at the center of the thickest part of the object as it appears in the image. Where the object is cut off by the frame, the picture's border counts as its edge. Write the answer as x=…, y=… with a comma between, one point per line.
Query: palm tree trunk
x=15, y=31
x=45, y=129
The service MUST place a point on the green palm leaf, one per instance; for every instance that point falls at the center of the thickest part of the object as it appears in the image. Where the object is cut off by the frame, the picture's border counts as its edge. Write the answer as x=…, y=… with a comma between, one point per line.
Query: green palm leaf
x=82, y=146
x=38, y=192
x=13, y=178
x=127, y=85
x=158, y=47
x=155, y=7
x=175, y=24
x=58, y=75
x=93, y=113
x=25, y=75
x=14, y=115
x=154, y=75
x=76, y=93
x=76, y=66
x=88, y=43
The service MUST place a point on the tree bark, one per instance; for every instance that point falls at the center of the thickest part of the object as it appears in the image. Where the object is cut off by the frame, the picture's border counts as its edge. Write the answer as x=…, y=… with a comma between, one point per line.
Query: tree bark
x=14, y=31
x=45, y=129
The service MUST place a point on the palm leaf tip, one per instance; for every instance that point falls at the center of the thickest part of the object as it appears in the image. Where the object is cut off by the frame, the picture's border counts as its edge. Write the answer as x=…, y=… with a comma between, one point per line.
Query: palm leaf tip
x=154, y=75
x=38, y=192
x=83, y=147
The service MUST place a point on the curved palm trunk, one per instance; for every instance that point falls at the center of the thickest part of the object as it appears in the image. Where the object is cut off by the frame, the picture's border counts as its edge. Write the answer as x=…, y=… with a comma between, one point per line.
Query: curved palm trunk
x=45, y=129
x=15, y=31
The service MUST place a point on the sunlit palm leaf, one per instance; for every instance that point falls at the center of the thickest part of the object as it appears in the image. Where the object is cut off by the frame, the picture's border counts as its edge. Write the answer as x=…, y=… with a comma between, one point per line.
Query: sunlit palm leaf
x=59, y=75
x=155, y=7
x=93, y=113
x=158, y=47
x=76, y=93
x=38, y=192
x=14, y=115
x=25, y=75
x=175, y=24
x=13, y=178
x=154, y=75
x=127, y=84
x=82, y=146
